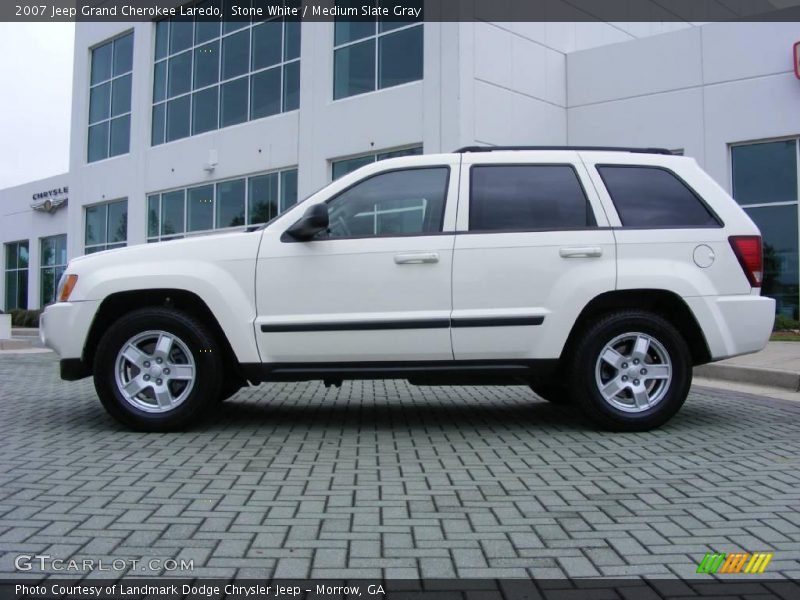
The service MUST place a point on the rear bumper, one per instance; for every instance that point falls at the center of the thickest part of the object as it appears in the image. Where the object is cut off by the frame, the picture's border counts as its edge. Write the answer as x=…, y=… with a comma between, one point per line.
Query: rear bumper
x=734, y=325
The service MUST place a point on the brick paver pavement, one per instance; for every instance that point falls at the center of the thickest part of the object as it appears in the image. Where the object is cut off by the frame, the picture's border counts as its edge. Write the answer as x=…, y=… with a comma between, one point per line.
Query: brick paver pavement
x=383, y=479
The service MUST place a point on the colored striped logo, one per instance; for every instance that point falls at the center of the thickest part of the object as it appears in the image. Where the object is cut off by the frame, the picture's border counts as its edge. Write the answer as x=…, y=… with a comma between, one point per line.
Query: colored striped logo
x=735, y=562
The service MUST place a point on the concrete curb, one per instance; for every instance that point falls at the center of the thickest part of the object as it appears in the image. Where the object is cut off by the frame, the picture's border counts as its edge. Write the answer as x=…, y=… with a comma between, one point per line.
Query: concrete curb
x=786, y=380
x=15, y=344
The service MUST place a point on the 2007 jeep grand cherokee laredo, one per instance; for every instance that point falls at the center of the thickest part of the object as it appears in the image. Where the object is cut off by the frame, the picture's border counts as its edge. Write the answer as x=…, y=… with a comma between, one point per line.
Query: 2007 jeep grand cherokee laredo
x=597, y=276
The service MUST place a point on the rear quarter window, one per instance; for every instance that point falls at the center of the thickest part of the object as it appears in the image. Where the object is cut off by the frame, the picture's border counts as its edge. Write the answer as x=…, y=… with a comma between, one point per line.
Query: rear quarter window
x=654, y=197
x=527, y=197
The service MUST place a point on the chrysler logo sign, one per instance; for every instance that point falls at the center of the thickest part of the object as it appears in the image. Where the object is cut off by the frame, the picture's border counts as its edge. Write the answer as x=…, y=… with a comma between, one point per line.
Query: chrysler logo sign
x=51, y=200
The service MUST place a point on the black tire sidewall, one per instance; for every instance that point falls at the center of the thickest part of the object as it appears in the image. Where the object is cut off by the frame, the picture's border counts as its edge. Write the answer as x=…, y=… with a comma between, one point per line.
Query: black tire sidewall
x=586, y=392
x=201, y=344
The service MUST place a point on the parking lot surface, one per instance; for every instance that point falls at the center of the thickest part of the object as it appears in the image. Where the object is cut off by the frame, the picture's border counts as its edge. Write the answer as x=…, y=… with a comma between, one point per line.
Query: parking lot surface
x=384, y=479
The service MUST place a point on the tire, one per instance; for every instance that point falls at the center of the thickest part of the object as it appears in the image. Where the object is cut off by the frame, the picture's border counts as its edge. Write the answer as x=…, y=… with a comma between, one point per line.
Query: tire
x=158, y=389
x=551, y=392
x=643, y=378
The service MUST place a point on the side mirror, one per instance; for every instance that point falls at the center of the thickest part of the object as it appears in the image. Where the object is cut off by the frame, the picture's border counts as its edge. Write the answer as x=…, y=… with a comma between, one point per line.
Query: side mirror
x=314, y=220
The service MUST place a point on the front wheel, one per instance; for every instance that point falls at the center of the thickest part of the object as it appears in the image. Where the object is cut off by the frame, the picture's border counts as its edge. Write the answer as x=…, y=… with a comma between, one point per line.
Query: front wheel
x=631, y=371
x=157, y=369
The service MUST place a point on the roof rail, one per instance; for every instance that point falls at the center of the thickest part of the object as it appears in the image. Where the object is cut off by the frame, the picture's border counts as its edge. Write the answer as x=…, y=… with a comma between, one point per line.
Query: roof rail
x=577, y=148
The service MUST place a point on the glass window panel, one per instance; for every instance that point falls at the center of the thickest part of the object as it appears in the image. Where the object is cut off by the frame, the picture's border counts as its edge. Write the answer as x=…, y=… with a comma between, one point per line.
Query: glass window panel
x=22, y=289
x=230, y=203
x=99, y=102
x=96, y=224
x=266, y=93
x=354, y=69
x=121, y=96
x=152, y=215
x=291, y=86
x=652, y=197
x=267, y=44
x=291, y=44
x=180, y=74
x=172, y=213
x=180, y=35
x=22, y=257
x=415, y=151
x=350, y=31
x=400, y=57
x=206, y=65
x=178, y=118
x=160, y=81
x=11, y=256
x=263, y=198
x=234, y=102
x=101, y=63
x=288, y=189
x=120, y=136
x=61, y=250
x=158, y=124
x=162, y=38
x=205, y=110
x=400, y=202
x=11, y=290
x=765, y=172
x=514, y=197
x=48, y=250
x=47, y=286
x=229, y=26
x=778, y=225
x=348, y=165
x=117, y=222
x=207, y=30
x=235, y=54
x=201, y=208
x=389, y=25
x=98, y=142
x=123, y=54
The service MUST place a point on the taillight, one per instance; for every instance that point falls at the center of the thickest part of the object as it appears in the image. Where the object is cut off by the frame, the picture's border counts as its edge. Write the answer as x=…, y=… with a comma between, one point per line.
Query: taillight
x=747, y=249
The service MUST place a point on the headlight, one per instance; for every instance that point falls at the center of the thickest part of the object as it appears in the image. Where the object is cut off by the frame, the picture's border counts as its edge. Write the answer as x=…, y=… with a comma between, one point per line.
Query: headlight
x=65, y=286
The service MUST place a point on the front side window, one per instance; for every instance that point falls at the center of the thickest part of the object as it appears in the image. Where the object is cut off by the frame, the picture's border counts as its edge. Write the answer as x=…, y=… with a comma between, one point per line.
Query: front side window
x=53, y=261
x=16, y=275
x=654, y=197
x=110, y=99
x=209, y=75
x=348, y=165
x=527, y=197
x=231, y=203
x=373, y=55
x=765, y=183
x=106, y=226
x=404, y=202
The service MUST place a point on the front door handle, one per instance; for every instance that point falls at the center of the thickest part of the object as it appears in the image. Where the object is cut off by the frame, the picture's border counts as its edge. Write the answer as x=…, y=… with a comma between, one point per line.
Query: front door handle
x=416, y=258
x=581, y=252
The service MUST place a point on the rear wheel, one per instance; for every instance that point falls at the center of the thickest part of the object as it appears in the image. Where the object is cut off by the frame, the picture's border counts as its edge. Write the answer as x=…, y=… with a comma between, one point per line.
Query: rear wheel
x=631, y=371
x=157, y=369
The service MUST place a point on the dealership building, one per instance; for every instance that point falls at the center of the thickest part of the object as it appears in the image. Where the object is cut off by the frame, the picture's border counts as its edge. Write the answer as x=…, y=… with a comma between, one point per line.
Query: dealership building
x=182, y=128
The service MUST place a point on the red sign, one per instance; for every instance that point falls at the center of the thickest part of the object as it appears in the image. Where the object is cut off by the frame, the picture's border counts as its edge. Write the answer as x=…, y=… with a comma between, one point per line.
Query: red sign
x=797, y=60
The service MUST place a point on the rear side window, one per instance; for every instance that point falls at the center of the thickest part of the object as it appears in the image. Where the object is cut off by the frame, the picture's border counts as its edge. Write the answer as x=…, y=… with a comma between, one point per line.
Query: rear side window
x=527, y=197
x=654, y=197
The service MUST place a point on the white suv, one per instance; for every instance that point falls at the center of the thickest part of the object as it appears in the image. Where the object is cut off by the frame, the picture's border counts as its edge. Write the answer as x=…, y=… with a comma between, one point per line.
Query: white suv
x=597, y=276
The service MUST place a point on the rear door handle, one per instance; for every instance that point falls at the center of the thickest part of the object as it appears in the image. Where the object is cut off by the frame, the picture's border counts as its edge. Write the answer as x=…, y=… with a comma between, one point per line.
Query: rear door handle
x=416, y=258
x=581, y=252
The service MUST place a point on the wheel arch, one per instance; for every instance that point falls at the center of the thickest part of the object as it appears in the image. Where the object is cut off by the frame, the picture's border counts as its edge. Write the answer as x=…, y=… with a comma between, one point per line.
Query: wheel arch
x=662, y=302
x=120, y=303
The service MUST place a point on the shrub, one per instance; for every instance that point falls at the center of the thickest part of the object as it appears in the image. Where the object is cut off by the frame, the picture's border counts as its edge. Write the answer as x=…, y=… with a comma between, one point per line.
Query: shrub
x=21, y=317
x=782, y=323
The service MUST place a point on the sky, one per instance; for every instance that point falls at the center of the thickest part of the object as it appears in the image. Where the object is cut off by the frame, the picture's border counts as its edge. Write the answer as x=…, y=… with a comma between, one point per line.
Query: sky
x=36, y=98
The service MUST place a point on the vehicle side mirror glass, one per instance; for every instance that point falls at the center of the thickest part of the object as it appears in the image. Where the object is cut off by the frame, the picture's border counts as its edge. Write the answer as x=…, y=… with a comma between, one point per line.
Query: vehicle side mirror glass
x=314, y=220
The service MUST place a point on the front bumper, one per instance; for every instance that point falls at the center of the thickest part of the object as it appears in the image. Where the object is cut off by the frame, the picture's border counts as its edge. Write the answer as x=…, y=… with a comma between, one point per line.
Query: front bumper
x=64, y=326
x=734, y=325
